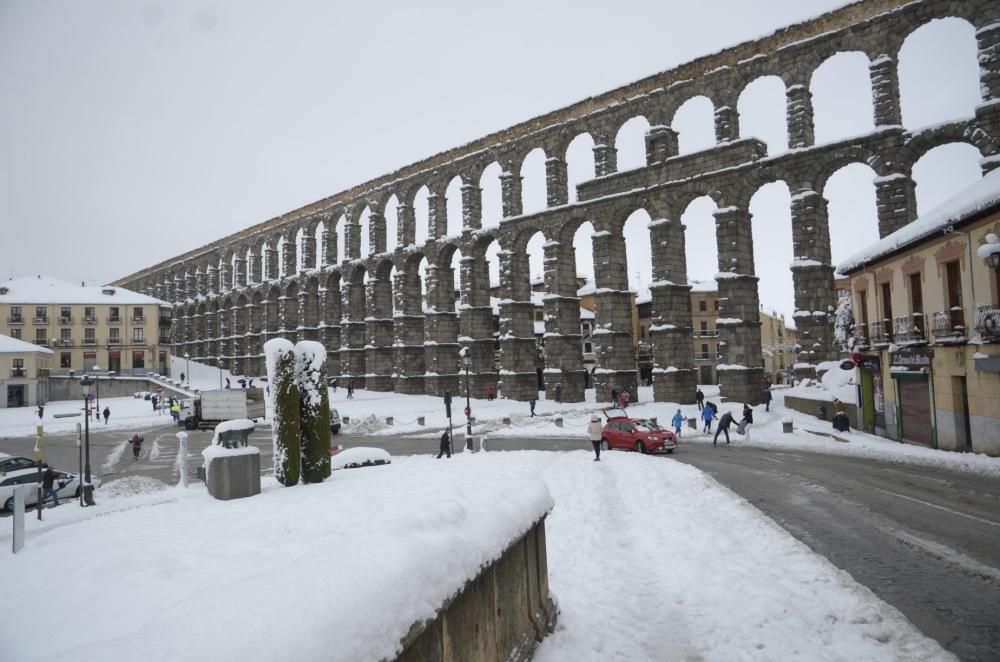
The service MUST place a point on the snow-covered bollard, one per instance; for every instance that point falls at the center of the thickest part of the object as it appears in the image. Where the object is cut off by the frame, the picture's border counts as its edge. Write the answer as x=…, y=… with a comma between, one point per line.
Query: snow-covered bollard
x=693, y=423
x=786, y=425
x=482, y=442
x=232, y=466
x=182, y=453
x=506, y=420
x=388, y=420
x=559, y=422
x=420, y=420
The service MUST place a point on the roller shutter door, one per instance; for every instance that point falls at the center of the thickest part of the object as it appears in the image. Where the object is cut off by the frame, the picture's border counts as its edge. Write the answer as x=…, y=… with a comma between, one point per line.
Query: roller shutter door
x=915, y=399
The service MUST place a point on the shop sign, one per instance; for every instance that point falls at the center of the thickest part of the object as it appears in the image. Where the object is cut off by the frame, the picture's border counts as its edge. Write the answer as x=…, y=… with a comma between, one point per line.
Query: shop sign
x=914, y=359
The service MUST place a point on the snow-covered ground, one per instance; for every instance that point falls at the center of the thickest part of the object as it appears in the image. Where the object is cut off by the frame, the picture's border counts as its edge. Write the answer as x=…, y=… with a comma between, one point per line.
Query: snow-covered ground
x=200, y=375
x=649, y=560
x=126, y=413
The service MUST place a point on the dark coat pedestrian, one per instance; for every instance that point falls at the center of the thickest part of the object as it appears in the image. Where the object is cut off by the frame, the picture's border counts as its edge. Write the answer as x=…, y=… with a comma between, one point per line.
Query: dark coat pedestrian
x=747, y=413
x=154, y=400
x=107, y=415
x=699, y=397
x=227, y=383
x=136, y=442
x=531, y=403
x=350, y=390
x=48, y=486
x=767, y=397
x=558, y=393
x=182, y=378
x=724, y=423
x=445, y=448
x=41, y=411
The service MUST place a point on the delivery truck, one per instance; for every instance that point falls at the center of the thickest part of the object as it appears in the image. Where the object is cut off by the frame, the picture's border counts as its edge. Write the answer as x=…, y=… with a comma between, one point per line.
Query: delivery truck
x=214, y=407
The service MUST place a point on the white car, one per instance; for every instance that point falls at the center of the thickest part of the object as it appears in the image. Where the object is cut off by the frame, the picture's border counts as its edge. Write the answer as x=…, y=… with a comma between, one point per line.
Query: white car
x=334, y=421
x=67, y=486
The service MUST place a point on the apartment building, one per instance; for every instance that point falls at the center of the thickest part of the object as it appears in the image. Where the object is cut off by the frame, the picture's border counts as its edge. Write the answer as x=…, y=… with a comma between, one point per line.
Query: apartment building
x=777, y=344
x=86, y=326
x=24, y=373
x=926, y=303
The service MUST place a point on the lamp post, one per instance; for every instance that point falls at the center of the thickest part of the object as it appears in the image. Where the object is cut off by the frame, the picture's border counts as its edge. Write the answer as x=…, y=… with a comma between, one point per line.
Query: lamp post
x=88, y=488
x=466, y=360
x=187, y=359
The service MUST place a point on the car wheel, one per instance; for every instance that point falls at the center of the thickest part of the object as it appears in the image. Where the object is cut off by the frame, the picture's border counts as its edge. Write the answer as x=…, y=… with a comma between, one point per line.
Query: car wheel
x=605, y=445
x=639, y=448
x=670, y=450
x=9, y=506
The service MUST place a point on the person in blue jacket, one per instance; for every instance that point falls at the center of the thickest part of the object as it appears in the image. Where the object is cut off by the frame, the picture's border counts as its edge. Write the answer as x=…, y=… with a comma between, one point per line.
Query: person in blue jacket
x=707, y=414
x=678, y=421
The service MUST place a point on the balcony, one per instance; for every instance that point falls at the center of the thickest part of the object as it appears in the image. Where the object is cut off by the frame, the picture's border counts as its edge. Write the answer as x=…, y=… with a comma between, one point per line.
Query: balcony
x=17, y=372
x=114, y=341
x=90, y=342
x=988, y=322
x=89, y=321
x=138, y=321
x=881, y=333
x=40, y=320
x=15, y=320
x=948, y=326
x=65, y=320
x=909, y=329
x=65, y=342
x=861, y=336
x=114, y=320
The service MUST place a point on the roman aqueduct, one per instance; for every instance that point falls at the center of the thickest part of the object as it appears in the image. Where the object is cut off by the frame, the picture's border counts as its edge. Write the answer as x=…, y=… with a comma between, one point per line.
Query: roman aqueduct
x=282, y=277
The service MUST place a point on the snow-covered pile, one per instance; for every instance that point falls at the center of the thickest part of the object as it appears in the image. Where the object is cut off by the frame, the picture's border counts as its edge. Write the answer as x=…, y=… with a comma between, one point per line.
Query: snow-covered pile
x=835, y=384
x=371, y=552
x=359, y=456
x=130, y=486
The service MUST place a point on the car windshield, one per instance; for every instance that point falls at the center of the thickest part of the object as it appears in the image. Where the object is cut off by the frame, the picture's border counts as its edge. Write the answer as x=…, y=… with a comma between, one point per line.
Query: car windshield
x=646, y=425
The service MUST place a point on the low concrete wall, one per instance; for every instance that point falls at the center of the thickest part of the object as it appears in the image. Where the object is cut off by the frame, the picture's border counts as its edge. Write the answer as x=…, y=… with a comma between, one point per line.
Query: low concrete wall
x=499, y=616
x=809, y=406
x=68, y=388
x=233, y=477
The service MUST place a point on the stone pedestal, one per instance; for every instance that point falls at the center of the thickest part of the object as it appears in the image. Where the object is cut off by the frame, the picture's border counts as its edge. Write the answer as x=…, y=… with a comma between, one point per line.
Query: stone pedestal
x=232, y=474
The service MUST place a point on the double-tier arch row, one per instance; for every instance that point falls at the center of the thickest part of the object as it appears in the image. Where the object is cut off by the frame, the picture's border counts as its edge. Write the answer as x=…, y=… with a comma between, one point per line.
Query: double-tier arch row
x=371, y=271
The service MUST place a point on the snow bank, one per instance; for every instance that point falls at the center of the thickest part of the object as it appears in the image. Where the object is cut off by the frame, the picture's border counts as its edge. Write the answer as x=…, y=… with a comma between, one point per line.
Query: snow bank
x=359, y=456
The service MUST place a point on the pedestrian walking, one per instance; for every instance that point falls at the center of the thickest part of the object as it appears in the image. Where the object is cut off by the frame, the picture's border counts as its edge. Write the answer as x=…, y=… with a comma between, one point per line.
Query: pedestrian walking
x=699, y=397
x=558, y=393
x=747, y=420
x=227, y=383
x=595, y=430
x=445, y=444
x=136, y=442
x=333, y=384
x=614, y=397
x=531, y=403
x=678, y=421
x=724, y=423
x=154, y=400
x=491, y=393
x=175, y=412
x=707, y=414
x=626, y=397
x=767, y=397
x=48, y=486
x=41, y=410
x=350, y=390
x=182, y=378
x=107, y=415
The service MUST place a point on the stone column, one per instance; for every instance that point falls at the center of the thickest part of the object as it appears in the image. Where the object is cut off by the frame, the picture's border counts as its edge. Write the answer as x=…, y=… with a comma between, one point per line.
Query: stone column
x=441, y=332
x=812, y=275
x=328, y=245
x=605, y=155
x=253, y=339
x=476, y=325
x=799, y=114
x=727, y=121
x=239, y=273
x=181, y=288
x=378, y=329
x=352, y=241
x=988, y=113
x=408, y=329
x=329, y=327
x=353, y=332
x=563, y=339
x=225, y=277
x=197, y=334
x=376, y=233
x=271, y=263
x=674, y=376
x=437, y=214
x=556, y=186
x=885, y=91
x=308, y=304
x=896, y=201
x=255, y=269
x=237, y=342
x=211, y=329
x=518, y=350
x=308, y=249
x=270, y=309
x=472, y=207
x=212, y=280
x=222, y=321
x=741, y=371
x=510, y=190
x=661, y=143
x=614, y=337
x=288, y=266
x=406, y=226
x=168, y=290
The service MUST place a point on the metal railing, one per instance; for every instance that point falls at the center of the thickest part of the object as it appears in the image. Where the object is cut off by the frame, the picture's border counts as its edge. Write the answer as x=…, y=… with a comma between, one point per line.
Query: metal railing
x=114, y=320
x=114, y=341
x=910, y=329
x=861, y=340
x=881, y=333
x=988, y=321
x=90, y=342
x=948, y=325
x=40, y=320
x=17, y=372
x=65, y=320
x=90, y=321
x=138, y=320
x=65, y=342
x=15, y=320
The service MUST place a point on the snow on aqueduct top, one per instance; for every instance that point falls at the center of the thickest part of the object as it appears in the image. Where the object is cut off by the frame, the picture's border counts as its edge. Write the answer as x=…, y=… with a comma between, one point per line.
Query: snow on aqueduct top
x=981, y=196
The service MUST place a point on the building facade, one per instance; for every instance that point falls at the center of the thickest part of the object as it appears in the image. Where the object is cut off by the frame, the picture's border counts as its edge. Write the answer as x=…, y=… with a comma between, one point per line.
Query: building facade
x=24, y=373
x=927, y=327
x=110, y=328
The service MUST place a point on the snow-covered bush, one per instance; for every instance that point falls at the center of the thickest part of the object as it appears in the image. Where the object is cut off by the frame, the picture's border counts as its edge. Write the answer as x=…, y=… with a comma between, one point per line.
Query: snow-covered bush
x=843, y=325
x=284, y=394
x=314, y=411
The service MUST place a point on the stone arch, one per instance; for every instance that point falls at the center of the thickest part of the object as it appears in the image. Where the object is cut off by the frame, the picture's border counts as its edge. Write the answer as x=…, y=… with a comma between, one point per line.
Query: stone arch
x=828, y=96
x=454, y=206
x=630, y=142
x=919, y=144
x=694, y=122
x=943, y=171
x=579, y=158
x=531, y=170
x=765, y=93
x=492, y=194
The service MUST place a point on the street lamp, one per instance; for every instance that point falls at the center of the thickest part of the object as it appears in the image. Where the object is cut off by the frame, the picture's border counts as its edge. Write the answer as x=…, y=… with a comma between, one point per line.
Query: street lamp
x=989, y=252
x=88, y=488
x=187, y=358
x=466, y=360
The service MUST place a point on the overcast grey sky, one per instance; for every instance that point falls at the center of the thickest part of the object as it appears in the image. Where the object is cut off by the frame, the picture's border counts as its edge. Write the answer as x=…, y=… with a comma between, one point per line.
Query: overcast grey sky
x=133, y=131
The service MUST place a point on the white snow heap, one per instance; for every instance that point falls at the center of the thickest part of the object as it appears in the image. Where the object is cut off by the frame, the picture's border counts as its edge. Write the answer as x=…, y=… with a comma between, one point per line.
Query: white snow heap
x=228, y=426
x=272, y=348
x=842, y=324
x=980, y=197
x=359, y=456
x=310, y=357
x=991, y=247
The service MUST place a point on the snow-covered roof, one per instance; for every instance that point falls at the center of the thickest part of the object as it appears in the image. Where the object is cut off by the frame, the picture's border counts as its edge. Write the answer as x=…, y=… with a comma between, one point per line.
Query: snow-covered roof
x=983, y=196
x=14, y=345
x=45, y=290
x=704, y=286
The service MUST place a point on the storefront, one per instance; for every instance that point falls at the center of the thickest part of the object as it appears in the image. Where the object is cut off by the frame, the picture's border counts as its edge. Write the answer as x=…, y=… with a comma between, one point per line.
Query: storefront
x=872, y=394
x=913, y=376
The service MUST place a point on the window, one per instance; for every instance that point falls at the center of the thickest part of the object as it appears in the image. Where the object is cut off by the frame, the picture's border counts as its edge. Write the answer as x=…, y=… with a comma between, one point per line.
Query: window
x=539, y=316
x=137, y=335
x=15, y=314
x=40, y=337
x=886, y=302
x=716, y=304
x=863, y=307
x=137, y=313
x=704, y=350
x=114, y=335
x=89, y=313
x=113, y=314
x=704, y=328
x=916, y=294
x=702, y=306
x=17, y=367
x=139, y=359
x=15, y=333
x=66, y=335
x=41, y=312
x=65, y=311
x=66, y=360
x=89, y=337
x=954, y=284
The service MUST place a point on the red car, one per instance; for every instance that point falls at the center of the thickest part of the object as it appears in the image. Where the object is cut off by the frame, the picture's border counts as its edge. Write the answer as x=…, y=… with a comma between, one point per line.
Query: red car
x=637, y=434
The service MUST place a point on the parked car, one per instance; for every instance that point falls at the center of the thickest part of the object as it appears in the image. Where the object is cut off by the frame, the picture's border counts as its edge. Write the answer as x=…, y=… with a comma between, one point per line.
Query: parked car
x=67, y=486
x=637, y=434
x=13, y=463
x=334, y=421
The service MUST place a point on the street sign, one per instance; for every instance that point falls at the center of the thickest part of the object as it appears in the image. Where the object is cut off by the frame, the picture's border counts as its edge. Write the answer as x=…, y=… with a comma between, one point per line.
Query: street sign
x=90, y=396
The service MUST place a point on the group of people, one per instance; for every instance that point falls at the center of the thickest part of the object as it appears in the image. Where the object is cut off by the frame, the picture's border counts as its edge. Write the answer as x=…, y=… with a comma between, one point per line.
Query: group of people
x=620, y=397
x=350, y=387
x=710, y=412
